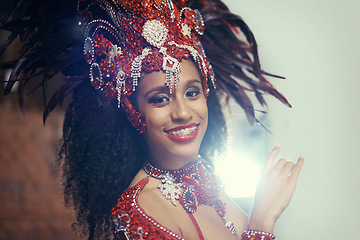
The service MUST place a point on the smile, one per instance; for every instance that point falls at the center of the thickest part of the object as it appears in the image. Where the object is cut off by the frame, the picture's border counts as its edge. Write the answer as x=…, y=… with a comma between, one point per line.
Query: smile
x=183, y=134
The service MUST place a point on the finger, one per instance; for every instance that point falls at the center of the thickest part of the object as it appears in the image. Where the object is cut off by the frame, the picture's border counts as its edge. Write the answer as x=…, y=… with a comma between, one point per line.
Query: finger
x=287, y=167
x=269, y=163
x=297, y=168
x=279, y=165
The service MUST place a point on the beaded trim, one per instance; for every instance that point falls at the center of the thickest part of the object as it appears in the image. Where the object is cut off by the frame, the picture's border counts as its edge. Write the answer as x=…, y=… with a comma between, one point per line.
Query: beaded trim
x=257, y=235
x=201, y=188
x=199, y=185
x=151, y=219
x=124, y=226
x=140, y=36
x=177, y=174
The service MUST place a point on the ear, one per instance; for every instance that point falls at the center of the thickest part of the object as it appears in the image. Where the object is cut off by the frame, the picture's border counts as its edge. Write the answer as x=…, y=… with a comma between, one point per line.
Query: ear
x=136, y=118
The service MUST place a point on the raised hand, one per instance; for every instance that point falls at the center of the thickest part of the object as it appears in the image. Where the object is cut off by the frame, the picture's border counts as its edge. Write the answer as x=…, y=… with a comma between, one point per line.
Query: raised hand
x=274, y=192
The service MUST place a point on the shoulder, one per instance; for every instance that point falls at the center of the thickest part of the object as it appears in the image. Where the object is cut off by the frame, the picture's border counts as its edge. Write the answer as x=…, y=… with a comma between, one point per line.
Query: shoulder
x=138, y=177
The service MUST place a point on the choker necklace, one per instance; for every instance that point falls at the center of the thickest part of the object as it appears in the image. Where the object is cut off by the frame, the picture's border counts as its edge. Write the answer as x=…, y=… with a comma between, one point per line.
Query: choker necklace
x=193, y=185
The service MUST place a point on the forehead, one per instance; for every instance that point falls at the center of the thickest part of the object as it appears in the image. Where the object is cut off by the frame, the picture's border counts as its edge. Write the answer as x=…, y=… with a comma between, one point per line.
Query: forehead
x=157, y=78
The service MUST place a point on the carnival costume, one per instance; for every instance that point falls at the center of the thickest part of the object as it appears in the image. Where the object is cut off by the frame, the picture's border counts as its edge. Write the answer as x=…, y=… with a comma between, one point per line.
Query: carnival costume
x=120, y=41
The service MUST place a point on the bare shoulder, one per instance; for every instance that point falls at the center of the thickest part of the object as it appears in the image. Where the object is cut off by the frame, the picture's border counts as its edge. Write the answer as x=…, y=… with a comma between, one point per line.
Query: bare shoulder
x=138, y=177
x=234, y=213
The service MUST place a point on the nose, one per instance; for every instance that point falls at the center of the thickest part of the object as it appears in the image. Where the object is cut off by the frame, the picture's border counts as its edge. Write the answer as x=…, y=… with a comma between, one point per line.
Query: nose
x=181, y=110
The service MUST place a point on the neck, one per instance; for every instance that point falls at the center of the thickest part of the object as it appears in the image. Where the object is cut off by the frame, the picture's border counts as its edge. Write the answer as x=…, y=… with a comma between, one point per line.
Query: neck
x=166, y=162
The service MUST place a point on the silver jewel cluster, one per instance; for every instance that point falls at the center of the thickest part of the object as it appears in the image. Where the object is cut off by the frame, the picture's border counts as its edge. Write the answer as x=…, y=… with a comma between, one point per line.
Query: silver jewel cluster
x=95, y=72
x=120, y=84
x=199, y=58
x=136, y=66
x=156, y=33
x=169, y=188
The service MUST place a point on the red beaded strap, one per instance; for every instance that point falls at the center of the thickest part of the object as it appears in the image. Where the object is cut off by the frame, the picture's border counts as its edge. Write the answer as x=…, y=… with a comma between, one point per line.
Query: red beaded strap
x=256, y=235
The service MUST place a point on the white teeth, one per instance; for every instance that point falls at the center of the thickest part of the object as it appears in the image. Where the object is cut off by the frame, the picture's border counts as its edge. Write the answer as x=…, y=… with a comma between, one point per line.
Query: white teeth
x=183, y=132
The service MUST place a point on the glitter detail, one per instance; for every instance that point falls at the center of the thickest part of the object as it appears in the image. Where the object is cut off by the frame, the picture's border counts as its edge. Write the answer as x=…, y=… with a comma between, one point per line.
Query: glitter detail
x=141, y=36
x=199, y=184
x=155, y=33
x=129, y=217
x=256, y=235
x=200, y=187
x=169, y=188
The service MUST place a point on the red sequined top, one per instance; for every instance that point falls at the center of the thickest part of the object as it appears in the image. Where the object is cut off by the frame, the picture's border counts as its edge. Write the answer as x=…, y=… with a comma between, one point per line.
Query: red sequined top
x=198, y=184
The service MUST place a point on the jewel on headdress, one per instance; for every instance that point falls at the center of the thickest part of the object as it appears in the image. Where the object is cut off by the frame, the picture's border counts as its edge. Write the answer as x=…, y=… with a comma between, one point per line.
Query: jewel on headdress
x=171, y=7
x=171, y=66
x=89, y=50
x=120, y=84
x=136, y=66
x=96, y=75
x=155, y=32
x=142, y=36
x=158, y=4
x=114, y=52
x=200, y=26
x=185, y=29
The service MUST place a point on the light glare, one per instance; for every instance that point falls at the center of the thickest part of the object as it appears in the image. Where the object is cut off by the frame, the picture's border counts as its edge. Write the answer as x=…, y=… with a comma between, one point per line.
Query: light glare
x=240, y=175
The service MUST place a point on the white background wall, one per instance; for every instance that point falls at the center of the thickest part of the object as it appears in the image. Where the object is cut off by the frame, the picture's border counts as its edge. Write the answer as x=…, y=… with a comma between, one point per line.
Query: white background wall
x=315, y=44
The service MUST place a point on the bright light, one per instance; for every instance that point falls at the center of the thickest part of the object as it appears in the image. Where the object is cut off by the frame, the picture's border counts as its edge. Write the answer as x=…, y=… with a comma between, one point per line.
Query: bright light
x=239, y=174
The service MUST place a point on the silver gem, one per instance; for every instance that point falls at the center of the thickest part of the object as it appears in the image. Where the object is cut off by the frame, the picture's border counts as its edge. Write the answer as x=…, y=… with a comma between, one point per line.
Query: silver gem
x=120, y=83
x=169, y=188
x=155, y=32
x=186, y=30
x=89, y=50
x=114, y=52
x=95, y=74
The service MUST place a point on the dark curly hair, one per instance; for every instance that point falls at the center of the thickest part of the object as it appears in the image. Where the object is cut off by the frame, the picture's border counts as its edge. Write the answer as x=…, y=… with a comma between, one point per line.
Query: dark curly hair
x=102, y=152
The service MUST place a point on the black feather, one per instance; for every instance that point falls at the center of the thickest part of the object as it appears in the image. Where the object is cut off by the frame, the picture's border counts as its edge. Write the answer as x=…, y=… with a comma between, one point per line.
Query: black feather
x=51, y=41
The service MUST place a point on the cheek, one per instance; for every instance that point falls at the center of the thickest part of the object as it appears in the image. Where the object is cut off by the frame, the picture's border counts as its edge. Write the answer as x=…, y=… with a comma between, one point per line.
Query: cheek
x=155, y=120
x=203, y=111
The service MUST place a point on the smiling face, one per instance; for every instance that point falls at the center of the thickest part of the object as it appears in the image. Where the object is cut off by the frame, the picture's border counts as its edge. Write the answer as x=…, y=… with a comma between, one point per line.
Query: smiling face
x=176, y=123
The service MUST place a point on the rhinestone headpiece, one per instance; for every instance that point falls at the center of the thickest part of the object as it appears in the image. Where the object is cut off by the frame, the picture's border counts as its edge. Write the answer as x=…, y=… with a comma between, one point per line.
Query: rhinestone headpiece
x=133, y=37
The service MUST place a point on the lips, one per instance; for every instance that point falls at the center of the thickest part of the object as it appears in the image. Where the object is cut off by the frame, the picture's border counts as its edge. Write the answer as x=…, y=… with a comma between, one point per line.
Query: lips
x=183, y=134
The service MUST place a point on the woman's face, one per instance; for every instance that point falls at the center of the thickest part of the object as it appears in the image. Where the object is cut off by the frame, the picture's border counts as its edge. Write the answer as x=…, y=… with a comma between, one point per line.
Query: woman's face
x=176, y=123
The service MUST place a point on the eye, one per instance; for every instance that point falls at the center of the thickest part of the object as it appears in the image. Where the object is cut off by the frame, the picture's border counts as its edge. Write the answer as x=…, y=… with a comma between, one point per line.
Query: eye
x=157, y=99
x=192, y=92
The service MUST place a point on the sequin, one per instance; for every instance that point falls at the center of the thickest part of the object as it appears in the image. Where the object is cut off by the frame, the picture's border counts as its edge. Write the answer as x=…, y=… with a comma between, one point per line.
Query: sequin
x=119, y=44
x=200, y=185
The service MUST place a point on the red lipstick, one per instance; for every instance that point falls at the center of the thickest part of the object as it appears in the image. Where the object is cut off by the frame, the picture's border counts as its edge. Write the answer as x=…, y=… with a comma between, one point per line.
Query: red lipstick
x=183, y=134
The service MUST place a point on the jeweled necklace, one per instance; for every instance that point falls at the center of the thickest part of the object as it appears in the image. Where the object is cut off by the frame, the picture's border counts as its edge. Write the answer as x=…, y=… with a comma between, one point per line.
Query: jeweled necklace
x=199, y=184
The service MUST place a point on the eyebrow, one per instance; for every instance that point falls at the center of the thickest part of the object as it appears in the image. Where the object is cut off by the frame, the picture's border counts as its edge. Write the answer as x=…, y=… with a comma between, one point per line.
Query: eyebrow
x=189, y=82
x=164, y=88
x=157, y=89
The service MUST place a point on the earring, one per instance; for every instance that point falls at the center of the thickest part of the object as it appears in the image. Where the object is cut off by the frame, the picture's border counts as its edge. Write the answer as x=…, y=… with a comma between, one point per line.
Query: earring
x=136, y=118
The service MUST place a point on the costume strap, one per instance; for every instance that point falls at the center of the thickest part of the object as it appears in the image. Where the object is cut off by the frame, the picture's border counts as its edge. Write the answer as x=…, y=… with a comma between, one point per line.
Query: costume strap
x=196, y=226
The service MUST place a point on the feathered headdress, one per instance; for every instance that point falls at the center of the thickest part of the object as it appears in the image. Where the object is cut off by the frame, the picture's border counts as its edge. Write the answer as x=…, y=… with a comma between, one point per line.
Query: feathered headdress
x=119, y=39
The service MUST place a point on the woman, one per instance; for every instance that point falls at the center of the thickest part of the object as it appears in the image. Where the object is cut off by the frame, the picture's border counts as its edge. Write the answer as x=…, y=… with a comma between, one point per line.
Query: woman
x=135, y=128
